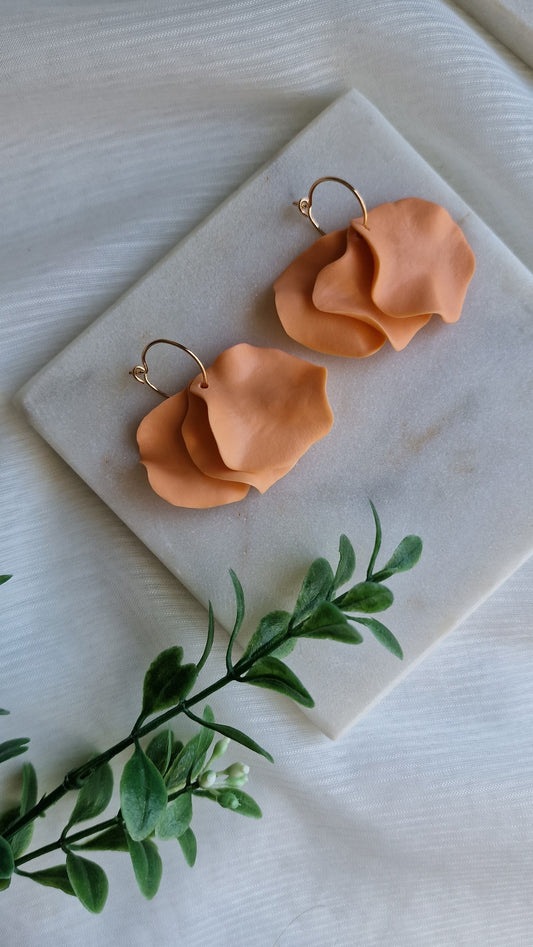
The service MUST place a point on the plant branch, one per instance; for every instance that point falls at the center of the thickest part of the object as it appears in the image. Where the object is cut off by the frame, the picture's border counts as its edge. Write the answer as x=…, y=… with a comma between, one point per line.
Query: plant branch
x=75, y=777
x=65, y=842
x=144, y=793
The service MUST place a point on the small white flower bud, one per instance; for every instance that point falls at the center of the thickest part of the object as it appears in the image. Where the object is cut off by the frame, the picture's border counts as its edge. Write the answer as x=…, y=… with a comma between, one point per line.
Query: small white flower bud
x=237, y=770
x=220, y=748
x=227, y=799
x=207, y=779
x=235, y=782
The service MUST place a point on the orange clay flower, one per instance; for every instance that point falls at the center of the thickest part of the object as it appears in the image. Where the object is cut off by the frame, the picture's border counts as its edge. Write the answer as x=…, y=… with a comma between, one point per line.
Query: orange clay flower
x=355, y=288
x=262, y=409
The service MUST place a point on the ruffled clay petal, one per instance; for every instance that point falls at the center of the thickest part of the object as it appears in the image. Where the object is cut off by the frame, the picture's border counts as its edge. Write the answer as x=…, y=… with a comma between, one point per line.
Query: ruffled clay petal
x=333, y=333
x=265, y=409
x=423, y=263
x=201, y=445
x=353, y=289
x=345, y=286
x=171, y=472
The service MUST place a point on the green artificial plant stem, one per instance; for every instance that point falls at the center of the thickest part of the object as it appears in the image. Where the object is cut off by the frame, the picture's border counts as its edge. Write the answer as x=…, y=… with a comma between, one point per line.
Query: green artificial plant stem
x=68, y=840
x=74, y=778
x=158, y=783
x=75, y=837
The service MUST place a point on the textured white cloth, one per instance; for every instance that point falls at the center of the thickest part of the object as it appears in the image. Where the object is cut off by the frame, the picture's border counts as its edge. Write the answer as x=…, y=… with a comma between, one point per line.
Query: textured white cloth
x=123, y=124
x=511, y=21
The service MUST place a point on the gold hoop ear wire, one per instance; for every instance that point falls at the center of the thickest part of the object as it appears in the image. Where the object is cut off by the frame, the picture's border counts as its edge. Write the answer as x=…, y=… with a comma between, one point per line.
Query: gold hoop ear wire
x=304, y=205
x=140, y=372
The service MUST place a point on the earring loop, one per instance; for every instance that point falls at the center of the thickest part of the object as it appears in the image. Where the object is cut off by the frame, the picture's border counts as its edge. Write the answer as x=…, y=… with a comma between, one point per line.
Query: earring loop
x=140, y=372
x=304, y=205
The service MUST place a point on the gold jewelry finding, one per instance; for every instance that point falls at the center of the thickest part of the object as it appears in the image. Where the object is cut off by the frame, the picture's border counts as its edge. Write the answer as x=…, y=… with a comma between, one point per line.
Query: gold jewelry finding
x=140, y=372
x=304, y=205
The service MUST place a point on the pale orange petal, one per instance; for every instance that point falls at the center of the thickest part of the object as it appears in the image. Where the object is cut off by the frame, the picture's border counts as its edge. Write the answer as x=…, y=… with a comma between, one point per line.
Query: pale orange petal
x=423, y=263
x=265, y=409
x=352, y=289
x=201, y=445
x=345, y=286
x=333, y=332
x=171, y=472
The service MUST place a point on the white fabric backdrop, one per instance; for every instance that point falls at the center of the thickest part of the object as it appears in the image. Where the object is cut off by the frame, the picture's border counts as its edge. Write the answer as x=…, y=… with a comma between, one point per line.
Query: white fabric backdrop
x=123, y=124
x=509, y=20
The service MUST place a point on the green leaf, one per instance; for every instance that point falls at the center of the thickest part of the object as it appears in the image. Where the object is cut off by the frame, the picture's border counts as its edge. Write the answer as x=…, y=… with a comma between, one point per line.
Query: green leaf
x=89, y=882
x=167, y=681
x=187, y=764
x=94, y=795
x=21, y=839
x=4, y=883
x=274, y=675
x=3, y=712
x=366, y=597
x=54, y=877
x=377, y=541
x=283, y=650
x=159, y=750
x=7, y=862
x=232, y=734
x=188, y=846
x=177, y=747
x=110, y=840
x=143, y=795
x=181, y=769
x=147, y=866
x=191, y=757
x=404, y=557
x=14, y=747
x=346, y=566
x=176, y=818
x=244, y=740
x=382, y=633
x=245, y=804
x=5, y=578
x=206, y=735
x=316, y=587
x=271, y=626
x=327, y=621
x=7, y=818
x=239, y=617
x=29, y=788
x=210, y=637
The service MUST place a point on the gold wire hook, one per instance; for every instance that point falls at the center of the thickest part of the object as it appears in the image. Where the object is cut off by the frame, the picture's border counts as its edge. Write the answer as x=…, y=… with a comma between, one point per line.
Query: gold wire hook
x=140, y=372
x=304, y=205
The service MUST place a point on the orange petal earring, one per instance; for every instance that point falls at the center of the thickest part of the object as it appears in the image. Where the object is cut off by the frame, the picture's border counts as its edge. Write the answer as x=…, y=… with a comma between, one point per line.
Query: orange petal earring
x=381, y=278
x=243, y=422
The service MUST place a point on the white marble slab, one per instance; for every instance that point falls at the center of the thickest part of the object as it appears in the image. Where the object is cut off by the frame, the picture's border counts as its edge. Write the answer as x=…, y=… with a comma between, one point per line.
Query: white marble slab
x=439, y=436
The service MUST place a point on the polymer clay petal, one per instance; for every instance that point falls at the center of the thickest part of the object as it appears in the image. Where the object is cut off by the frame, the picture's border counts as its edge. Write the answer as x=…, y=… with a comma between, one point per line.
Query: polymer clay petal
x=334, y=333
x=202, y=446
x=265, y=409
x=171, y=472
x=345, y=286
x=423, y=262
x=353, y=289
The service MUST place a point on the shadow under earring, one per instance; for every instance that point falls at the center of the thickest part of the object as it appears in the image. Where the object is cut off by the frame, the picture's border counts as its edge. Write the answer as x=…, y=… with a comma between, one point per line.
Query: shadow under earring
x=381, y=278
x=243, y=422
